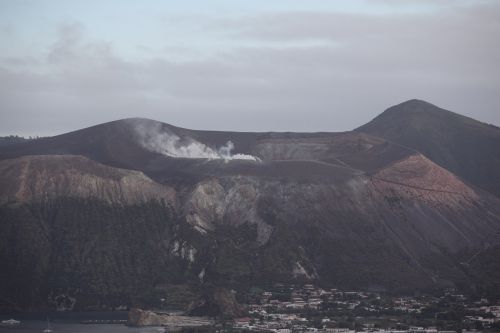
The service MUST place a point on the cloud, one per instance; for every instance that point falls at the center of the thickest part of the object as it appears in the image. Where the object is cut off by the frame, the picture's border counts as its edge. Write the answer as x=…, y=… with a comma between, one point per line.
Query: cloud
x=300, y=70
x=70, y=38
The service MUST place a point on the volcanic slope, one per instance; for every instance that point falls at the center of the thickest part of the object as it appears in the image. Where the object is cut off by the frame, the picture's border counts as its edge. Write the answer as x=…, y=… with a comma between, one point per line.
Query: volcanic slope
x=347, y=209
x=464, y=146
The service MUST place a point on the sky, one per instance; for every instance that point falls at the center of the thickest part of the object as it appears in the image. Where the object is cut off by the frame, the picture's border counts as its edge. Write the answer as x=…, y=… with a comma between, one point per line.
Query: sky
x=261, y=65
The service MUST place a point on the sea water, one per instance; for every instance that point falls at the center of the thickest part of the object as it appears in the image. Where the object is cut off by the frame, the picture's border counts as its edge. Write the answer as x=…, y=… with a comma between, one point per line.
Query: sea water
x=30, y=326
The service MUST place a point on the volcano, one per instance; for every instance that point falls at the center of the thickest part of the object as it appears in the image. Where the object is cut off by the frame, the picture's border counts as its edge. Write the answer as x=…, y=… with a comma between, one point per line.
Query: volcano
x=111, y=214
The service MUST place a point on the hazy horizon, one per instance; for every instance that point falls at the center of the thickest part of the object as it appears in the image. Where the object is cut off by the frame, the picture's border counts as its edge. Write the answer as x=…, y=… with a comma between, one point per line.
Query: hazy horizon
x=191, y=128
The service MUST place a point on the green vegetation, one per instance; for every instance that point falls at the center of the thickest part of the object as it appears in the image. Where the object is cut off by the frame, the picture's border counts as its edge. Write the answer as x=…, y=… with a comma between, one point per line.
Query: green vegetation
x=10, y=139
x=85, y=248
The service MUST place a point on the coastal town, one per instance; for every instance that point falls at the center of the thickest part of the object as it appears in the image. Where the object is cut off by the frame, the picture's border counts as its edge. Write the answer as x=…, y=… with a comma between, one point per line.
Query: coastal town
x=307, y=308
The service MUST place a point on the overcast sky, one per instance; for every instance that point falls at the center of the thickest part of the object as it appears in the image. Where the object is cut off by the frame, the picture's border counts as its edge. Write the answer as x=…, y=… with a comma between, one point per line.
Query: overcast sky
x=283, y=65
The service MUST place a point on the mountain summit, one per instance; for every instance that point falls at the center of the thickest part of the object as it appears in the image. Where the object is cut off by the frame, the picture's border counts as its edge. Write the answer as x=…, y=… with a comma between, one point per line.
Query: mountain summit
x=465, y=146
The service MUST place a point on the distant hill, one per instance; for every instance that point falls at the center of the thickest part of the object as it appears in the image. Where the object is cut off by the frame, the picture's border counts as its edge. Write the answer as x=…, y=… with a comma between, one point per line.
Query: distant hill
x=120, y=212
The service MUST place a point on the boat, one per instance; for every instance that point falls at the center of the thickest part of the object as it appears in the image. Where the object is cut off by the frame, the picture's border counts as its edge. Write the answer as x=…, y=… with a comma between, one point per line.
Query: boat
x=48, y=329
x=10, y=323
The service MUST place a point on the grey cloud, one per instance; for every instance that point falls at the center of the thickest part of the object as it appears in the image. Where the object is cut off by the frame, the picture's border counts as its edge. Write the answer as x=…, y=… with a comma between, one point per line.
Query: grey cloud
x=360, y=65
x=473, y=30
x=70, y=36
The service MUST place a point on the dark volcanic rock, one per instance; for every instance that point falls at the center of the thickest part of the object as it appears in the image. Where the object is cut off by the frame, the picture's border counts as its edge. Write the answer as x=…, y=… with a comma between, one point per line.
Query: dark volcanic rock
x=138, y=317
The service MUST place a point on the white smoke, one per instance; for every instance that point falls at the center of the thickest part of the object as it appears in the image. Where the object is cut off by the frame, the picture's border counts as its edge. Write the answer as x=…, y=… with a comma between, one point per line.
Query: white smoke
x=154, y=138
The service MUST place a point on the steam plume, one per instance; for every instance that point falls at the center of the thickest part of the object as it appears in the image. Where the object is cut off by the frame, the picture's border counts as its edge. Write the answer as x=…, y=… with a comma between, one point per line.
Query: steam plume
x=155, y=138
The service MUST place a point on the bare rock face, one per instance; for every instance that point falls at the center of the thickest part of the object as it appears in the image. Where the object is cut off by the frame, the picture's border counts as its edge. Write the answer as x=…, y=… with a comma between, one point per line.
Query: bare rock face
x=138, y=317
x=235, y=203
x=35, y=178
x=218, y=302
x=326, y=148
x=417, y=177
x=206, y=205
